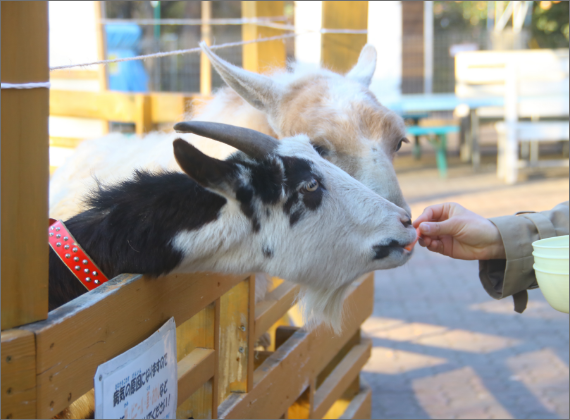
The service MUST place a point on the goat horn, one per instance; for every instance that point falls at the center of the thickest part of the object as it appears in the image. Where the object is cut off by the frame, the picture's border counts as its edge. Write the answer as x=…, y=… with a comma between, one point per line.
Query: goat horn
x=253, y=143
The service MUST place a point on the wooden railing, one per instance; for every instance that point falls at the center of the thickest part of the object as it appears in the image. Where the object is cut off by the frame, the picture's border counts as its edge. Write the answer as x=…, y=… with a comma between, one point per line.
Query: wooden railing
x=142, y=109
x=48, y=365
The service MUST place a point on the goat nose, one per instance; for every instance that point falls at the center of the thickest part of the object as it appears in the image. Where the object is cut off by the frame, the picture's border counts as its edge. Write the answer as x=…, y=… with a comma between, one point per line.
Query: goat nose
x=406, y=222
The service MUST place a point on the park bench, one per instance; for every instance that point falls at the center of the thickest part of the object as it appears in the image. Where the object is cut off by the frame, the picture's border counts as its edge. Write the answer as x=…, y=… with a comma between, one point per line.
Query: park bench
x=534, y=84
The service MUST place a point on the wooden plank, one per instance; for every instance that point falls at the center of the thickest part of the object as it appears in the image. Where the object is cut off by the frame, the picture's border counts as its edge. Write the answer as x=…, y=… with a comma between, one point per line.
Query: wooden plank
x=341, y=405
x=199, y=405
x=216, y=379
x=262, y=56
x=361, y=405
x=305, y=354
x=141, y=109
x=197, y=332
x=235, y=331
x=328, y=369
x=284, y=333
x=18, y=375
x=337, y=382
x=108, y=105
x=24, y=164
x=301, y=409
x=101, y=44
x=340, y=52
x=168, y=107
x=276, y=304
x=200, y=331
x=67, y=142
x=260, y=356
x=194, y=370
x=143, y=117
x=206, y=35
x=97, y=326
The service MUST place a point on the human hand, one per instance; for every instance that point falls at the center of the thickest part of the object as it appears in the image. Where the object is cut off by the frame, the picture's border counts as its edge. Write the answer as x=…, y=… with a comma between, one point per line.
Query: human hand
x=452, y=230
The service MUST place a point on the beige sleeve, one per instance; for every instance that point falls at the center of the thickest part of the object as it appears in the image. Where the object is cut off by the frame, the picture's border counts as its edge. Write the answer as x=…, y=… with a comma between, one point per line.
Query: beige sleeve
x=502, y=278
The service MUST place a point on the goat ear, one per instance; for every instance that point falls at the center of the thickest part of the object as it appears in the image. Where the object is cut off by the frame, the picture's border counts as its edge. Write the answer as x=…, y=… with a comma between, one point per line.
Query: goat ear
x=205, y=170
x=364, y=69
x=258, y=90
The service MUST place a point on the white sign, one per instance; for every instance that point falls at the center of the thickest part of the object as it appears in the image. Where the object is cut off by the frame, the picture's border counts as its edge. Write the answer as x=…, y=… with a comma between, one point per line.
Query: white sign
x=141, y=383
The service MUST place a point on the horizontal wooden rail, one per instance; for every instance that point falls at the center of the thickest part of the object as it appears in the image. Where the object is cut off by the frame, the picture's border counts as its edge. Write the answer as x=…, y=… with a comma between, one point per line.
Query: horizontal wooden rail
x=275, y=305
x=341, y=377
x=273, y=391
x=80, y=335
x=194, y=371
x=120, y=106
x=107, y=105
x=360, y=405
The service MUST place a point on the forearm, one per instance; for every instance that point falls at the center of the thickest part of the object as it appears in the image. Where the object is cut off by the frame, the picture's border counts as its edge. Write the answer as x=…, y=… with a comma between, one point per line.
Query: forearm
x=515, y=273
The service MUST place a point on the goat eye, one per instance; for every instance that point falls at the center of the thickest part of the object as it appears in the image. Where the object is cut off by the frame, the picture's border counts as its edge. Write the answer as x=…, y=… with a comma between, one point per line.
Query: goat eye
x=312, y=185
x=399, y=145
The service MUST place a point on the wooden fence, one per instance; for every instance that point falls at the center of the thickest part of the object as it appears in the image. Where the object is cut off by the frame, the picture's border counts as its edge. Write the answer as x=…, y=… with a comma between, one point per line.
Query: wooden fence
x=49, y=360
x=49, y=364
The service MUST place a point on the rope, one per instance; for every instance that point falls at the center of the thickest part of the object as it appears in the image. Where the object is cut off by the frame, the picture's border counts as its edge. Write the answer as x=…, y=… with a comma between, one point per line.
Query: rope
x=178, y=52
x=25, y=85
x=216, y=47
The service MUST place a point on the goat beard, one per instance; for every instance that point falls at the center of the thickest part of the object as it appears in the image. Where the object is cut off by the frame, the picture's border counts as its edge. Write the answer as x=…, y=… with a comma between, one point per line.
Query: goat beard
x=323, y=306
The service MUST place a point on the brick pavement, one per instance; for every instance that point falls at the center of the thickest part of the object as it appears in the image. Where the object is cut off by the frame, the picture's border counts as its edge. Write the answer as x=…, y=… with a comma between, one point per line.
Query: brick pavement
x=442, y=347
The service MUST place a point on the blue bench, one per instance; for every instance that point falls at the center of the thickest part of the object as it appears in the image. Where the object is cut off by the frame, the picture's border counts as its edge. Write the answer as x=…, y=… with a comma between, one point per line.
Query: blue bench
x=437, y=136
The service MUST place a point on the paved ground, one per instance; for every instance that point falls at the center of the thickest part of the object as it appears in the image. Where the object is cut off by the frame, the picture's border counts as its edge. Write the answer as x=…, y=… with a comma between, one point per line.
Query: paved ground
x=442, y=347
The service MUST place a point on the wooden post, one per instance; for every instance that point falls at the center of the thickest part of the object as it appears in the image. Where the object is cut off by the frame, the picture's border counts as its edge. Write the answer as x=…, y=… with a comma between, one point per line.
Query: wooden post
x=143, y=117
x=25, y=164
x=101, y=42
x=101, y=48
x=510, y=150
x=259, y=57
x=205, y=66
x=18, y=375
x=237, y=332
x=340, y=52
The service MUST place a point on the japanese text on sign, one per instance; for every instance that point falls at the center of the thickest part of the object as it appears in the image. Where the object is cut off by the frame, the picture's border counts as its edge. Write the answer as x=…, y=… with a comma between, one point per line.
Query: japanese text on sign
x=142, y=382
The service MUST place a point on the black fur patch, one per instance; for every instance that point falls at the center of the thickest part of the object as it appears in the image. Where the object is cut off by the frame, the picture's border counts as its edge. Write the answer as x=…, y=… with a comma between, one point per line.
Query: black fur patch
x=293, y=198
x=382, y=251
x=266, y=180
x=244, y=195
x=267, y=251
x=128, y=228
x=295, y=217
x=298, y=172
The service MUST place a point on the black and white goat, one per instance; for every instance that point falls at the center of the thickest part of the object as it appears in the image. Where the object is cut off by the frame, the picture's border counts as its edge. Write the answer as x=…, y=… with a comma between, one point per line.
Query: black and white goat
x=274, y=206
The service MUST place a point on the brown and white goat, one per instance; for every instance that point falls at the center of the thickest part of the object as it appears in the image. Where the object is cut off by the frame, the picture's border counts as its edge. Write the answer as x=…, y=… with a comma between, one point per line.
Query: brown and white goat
x=342, y=117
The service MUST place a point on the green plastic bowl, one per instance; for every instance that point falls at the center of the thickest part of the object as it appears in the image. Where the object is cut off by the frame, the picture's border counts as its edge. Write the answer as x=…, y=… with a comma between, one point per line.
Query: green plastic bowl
x=554, y=287
x=552, y=265
x=552, y=247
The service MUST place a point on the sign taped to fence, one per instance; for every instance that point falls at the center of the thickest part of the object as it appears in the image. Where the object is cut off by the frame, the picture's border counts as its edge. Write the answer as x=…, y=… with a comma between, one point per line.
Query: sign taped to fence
x=141, y=383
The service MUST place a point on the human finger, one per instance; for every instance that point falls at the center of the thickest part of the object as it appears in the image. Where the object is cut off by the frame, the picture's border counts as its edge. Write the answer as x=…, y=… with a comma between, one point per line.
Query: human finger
x=447, y=227
x=427, y=215
x=436, y=246
x=435, y=212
